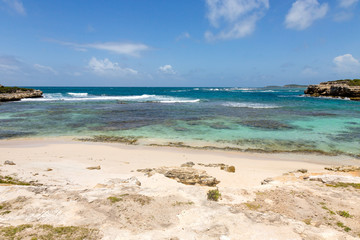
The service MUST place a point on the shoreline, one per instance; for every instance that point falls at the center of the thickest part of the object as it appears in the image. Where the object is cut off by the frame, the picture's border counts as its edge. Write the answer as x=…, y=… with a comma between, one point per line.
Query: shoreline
x=138, y=192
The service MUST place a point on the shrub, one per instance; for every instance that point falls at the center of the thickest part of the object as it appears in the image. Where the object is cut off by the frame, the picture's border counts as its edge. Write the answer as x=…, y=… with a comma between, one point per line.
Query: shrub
x=213, y=195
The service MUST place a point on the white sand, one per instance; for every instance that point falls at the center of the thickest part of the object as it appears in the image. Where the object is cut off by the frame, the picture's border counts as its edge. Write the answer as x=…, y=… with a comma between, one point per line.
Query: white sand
x=74, y=195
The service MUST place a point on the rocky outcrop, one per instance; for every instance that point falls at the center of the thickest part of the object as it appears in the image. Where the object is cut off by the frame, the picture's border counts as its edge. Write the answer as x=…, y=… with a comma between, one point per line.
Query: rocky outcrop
x=15, y=94
x=337, y=89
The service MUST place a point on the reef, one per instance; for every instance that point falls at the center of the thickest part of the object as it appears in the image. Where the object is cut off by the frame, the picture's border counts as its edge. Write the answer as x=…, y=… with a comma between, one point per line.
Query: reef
x=337, y=89
x=15, y=93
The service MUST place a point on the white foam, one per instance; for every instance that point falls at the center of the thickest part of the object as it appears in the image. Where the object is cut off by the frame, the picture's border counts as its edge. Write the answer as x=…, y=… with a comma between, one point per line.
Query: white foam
x=135, y=98
x=249, y=105
x=78, y=94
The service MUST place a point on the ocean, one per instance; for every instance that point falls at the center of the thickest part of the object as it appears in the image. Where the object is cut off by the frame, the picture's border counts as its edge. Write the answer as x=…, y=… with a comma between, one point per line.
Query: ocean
x=241, y=119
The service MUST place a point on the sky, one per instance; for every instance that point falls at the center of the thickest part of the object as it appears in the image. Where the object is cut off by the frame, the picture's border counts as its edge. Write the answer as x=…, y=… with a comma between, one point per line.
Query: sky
x=178, y=43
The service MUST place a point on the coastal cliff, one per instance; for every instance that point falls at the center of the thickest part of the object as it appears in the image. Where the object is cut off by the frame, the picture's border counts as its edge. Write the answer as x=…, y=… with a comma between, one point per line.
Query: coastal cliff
x=337, y=89
x=15, y=93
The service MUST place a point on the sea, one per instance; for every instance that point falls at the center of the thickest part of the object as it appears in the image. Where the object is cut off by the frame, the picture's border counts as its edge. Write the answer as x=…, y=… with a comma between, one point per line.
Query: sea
x=271, y=119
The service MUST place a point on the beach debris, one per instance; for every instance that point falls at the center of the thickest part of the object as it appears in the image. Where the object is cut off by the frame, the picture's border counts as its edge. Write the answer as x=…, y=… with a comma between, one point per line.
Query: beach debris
x=49, y=169
x=184, y=175
x=266, y=181
x=222, y=166
x=94, y=168
x=188, y=164
x=343, y=168
x=112, y=139
x=8, y=162
x=332, y=179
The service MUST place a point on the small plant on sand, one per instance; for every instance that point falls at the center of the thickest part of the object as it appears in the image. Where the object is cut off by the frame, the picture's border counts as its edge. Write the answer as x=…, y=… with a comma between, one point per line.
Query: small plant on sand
x=344, y=214
x=252, y=206
x=114, y=199
x=307, y=221
x=213, y=195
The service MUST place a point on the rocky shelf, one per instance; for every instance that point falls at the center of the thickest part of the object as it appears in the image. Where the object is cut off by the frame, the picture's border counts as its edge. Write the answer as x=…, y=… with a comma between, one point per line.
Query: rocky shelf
x=15, y=93
x=337, y=89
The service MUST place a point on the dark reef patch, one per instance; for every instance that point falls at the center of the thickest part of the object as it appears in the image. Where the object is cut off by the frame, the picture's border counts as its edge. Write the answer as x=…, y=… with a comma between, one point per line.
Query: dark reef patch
x=266, y=124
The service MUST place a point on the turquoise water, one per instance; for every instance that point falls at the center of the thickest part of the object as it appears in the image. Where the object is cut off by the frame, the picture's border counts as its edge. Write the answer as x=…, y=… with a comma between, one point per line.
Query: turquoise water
x=249, y=119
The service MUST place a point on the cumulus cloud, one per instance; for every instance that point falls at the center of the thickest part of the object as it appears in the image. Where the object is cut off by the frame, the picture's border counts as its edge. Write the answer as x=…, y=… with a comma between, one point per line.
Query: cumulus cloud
x=347, y=3
x=234, y=18
x=107, y=68
x=168, y=69
x=44, y=69
x=346, y=64
x=16, y=5
x=304, y=12
x=130, y=49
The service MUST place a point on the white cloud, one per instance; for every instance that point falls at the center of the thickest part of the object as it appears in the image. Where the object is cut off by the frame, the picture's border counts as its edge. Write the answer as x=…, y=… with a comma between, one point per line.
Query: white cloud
x=130, y=49
x=9, y=64
x=16, y=5
x=168, y=69
x=107, y=68
x=346, y=64
x=184, y=35
x=235, y=18
x=304, y=12
x=44, y=69
x=119, y=48
x=309, y=71
x=347, y=3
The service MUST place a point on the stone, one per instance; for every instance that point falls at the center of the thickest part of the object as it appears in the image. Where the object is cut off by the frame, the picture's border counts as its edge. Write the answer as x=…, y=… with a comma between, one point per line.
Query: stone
x=267, y=181
x=331, y=179
x=184, y=175
x=302, y=170
x=188, y=164
x=20, y=94
x=230, y=169
x=343, y=168
x=7, y=162
x=337, y=89
x=94, y=168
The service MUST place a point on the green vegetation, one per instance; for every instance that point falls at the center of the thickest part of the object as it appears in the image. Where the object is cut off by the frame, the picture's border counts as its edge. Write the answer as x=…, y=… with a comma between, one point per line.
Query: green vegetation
x=344, y=185
x=344, y=214
x=252, y=206
x=341, y=225
x=307, y=221
x=47, y=232
x=11, y=180
x=114, y=199
x=13, y=89
x=182, y=203
x=213, y=195
x=350, y=82
x=327, y=209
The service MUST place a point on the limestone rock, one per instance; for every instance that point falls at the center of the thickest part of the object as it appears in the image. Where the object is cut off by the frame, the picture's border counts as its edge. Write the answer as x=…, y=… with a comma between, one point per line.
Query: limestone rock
x=7, y=162
x=188, y=164
x=340, y=88
x=330, y=179
x=20, y=94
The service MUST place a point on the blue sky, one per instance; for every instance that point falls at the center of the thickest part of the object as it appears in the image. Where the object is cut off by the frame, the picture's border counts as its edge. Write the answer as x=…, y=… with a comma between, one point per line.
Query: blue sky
x=178, y=42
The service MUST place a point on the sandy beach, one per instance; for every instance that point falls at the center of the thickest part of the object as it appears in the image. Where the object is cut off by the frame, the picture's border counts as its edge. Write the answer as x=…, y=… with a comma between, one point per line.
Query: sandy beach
x=118, y=191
